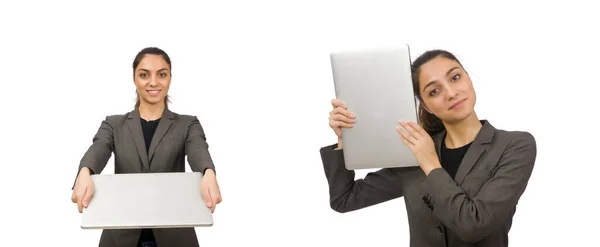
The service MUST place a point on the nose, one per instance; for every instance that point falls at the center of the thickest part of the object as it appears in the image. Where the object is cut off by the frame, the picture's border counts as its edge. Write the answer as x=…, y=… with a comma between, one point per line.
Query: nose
x=153, y=81
x=450, y=91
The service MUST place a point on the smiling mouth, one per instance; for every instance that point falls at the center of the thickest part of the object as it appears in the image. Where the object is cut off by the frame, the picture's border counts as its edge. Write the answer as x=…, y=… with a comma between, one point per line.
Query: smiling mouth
x=153, y=92
x=456, y=104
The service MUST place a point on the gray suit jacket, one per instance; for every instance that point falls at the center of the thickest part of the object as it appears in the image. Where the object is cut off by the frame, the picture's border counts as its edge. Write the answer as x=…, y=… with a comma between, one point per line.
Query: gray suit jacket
x=176, y=137
x=474, y=209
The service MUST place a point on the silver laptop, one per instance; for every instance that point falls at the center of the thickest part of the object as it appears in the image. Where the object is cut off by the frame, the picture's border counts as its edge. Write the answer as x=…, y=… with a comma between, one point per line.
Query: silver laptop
x=146, y=200
x=376, y=84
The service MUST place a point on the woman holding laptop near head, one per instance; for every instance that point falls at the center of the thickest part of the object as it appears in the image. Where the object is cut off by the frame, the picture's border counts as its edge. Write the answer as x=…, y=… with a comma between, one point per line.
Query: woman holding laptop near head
x=470, y=175
x=151, y=138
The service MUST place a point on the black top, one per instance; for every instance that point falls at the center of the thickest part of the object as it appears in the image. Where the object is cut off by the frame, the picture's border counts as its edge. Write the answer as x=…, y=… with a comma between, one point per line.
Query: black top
x=148, y=128
x=452, y=157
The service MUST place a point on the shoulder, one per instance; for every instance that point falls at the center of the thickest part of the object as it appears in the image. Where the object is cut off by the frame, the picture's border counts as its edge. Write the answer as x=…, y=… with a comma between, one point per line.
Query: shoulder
x=185, y=120
x=499, y=137
x=516, y=138
x=183, y=117
x=515, y=152
x=115, y=119
x=519, y=146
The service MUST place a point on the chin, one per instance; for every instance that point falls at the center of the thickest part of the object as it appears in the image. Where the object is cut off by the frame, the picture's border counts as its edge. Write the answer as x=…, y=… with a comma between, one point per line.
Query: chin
x=456, y=117
x=154, y=100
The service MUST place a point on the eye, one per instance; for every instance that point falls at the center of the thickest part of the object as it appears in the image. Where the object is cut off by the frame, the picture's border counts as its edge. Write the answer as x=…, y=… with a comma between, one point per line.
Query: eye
x=433, y=92
x=143, y=75
x=456, y=77
x=163, y=74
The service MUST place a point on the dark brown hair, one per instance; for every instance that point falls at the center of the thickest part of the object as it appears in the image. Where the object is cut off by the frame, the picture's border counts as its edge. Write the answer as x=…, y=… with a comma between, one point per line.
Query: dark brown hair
x=428, y=121
x=138, y=58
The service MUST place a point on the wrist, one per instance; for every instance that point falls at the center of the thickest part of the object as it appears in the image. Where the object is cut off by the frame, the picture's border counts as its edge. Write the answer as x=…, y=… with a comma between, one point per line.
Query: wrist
x=339, y=145
x=209, y=171
x=428, y=170
x=85, y=171
x=431, y=164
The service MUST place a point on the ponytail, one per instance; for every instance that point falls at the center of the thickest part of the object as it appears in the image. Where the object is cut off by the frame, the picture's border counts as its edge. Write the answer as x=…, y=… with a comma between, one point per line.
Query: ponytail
x=430, y=123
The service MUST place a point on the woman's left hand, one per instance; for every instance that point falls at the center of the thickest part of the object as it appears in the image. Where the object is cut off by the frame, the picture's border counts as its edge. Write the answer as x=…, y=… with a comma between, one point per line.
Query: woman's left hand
x=210, y=189
x=421, y=145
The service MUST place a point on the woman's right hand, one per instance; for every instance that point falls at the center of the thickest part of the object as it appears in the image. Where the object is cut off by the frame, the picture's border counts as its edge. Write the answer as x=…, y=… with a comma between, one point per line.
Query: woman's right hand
x=340, y=118
x=83, y=190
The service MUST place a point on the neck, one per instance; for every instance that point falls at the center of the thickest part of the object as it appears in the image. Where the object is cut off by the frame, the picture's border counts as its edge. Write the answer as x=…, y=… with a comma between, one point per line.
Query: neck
x=462, y=133
x=150, y=112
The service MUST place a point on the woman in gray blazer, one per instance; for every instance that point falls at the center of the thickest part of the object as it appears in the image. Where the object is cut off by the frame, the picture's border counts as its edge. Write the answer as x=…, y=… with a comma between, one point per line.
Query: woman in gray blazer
x=149, y=139
x=470, y=175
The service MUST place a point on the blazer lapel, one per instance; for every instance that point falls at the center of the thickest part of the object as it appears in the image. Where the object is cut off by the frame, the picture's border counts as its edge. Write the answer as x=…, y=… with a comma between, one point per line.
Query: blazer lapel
x=475, y=151
x=437, y=140
x=135, y=128
x=163, y=126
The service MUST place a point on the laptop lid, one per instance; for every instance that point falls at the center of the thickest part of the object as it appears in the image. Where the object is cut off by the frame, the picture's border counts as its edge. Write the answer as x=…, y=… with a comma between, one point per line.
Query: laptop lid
x=376, y=84
x=146, y=200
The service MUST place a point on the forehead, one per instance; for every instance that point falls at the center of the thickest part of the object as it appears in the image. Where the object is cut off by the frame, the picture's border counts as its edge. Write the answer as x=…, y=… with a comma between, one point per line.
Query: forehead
x=436, y=69
x=153, y=62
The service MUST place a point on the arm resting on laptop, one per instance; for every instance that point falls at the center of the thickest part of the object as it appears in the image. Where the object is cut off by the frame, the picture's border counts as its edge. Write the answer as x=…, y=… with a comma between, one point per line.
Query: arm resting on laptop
x=196, y=148
x=98, y=154
x=347, y=194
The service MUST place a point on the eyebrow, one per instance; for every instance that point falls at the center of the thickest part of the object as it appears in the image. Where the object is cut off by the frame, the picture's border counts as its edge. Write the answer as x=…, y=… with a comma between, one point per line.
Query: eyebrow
x=145, y=70
x=432, y=82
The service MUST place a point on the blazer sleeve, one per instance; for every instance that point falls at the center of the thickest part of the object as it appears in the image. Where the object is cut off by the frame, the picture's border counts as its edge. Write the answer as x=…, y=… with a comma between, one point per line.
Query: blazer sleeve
x=196, y=148
x=473, y=219
x=98, y=154
x=347, y=194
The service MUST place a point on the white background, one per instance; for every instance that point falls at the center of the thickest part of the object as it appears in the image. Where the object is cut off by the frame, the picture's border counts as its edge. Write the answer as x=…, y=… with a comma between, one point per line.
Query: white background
x=257, y=75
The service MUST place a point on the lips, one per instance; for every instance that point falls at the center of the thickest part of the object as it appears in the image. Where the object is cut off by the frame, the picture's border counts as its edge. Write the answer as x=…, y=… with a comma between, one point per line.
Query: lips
x=153, y=92
x=456, y=104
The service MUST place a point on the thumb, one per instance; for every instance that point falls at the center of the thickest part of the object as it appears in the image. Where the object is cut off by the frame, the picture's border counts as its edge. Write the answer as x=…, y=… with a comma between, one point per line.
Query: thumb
x=206, y=198
x=89, y=192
